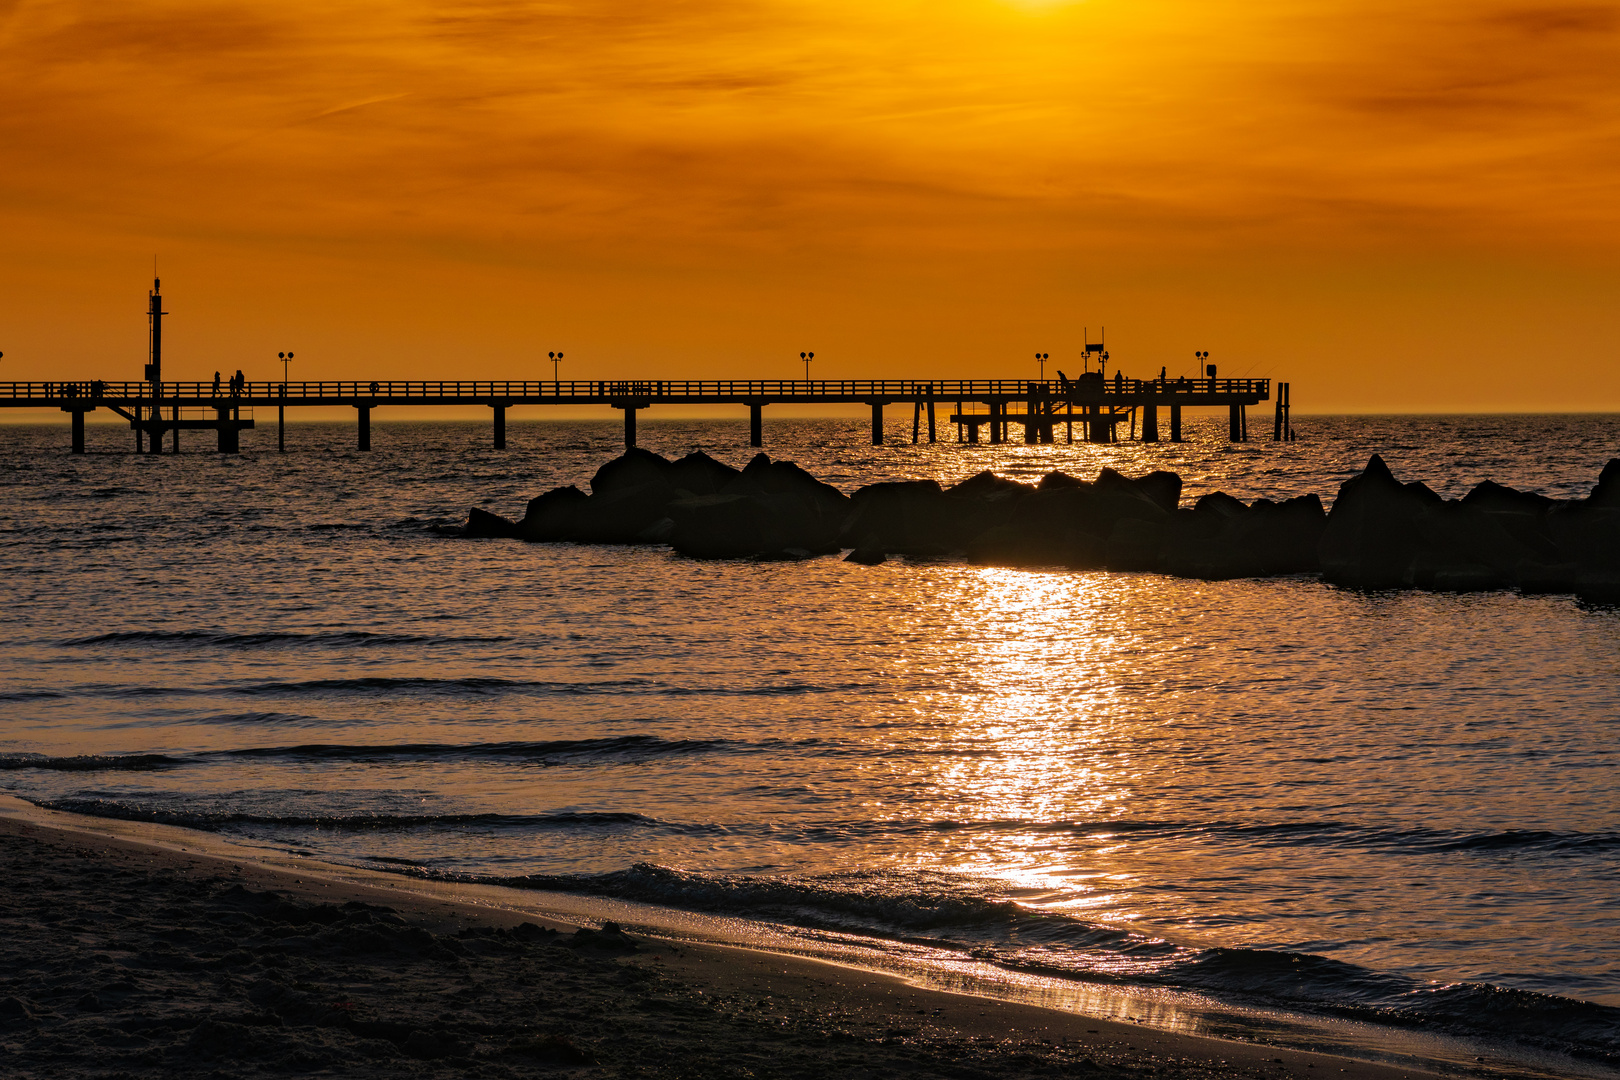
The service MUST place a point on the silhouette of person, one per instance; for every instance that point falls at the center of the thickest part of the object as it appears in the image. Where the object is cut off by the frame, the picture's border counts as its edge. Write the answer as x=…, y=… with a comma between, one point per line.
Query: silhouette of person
x=216, y=384
x=241, y=382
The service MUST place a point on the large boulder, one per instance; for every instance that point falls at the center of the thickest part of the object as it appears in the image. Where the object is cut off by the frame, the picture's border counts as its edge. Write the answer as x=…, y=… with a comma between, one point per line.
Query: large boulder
x=986, y=486
x=767, y=508
x=1163, y=487
x=1372, y=538
x=1465, y=549
x=1070, y=525
x=745, y=526
x=721, y=527
x=1586, y=535
x=907, y=517
x=551, y=516
x=1607, y=492
x=482, y=523
x=634, y=468
x=700, y=474
x=1222, y=538
x=628, y=515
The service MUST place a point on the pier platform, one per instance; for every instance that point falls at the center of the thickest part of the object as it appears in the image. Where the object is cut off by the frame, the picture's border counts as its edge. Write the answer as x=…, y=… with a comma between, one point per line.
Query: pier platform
x=158, y=411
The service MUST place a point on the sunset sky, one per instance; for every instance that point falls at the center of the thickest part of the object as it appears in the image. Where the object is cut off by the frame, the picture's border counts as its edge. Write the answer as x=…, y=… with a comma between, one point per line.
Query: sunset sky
x=1407, y=206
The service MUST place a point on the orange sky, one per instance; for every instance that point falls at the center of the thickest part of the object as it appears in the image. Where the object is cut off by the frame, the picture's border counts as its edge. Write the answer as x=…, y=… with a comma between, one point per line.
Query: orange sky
x=1398, y=206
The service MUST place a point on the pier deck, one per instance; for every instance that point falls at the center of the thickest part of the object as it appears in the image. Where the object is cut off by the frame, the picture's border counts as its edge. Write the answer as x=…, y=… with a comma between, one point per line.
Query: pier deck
x=155, y=409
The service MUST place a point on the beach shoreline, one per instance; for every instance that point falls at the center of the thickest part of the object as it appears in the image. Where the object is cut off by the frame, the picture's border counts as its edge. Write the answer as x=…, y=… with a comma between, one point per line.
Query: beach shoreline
x=130, y=950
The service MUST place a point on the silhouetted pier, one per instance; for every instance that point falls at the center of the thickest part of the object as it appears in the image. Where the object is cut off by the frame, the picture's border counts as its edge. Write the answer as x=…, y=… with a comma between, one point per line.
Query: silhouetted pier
x=158, y=409
x=981, y=409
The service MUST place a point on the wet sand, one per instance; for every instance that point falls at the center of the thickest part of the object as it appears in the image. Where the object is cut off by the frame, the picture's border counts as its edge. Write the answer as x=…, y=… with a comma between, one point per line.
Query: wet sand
x=119, y=958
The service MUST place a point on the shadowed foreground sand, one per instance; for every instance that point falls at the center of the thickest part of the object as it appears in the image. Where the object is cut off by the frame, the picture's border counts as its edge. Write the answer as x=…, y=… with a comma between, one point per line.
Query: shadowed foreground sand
x=120, y=959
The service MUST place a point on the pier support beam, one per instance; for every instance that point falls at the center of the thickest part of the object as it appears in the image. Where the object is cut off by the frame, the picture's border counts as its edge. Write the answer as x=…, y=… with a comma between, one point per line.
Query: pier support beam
x=500, y=426
x=365, y=426
x=1234, y=423
x=930, y=418
x=78, y=427
x=230, y=438
x=281, y=429
x=629, y=427
x=877, y=423
x=1175, y=423
x=916, y=420
x=175, y=412
x=756, y=423
x=998, y=427
x=1150, y=422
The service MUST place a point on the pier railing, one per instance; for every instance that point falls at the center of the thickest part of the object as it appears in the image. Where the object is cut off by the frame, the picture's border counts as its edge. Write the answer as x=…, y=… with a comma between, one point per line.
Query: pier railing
x=575, y=391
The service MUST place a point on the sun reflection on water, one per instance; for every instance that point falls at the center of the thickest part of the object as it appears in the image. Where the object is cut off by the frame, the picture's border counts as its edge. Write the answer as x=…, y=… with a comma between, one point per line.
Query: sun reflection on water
x=1037, y=742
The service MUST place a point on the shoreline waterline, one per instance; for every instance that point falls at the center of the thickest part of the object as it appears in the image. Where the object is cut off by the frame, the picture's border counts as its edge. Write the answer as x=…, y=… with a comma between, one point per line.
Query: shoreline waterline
x=922, y=967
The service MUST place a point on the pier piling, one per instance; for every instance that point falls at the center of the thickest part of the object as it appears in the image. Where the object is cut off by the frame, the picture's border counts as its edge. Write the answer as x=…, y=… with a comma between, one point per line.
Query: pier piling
x=756, y=423
x=500, y=426
x=629, y=426
x=365, y=426
x=877, y=423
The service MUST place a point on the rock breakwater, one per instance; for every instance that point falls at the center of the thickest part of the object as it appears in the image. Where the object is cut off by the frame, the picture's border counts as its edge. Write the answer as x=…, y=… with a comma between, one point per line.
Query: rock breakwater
x=1380, y=533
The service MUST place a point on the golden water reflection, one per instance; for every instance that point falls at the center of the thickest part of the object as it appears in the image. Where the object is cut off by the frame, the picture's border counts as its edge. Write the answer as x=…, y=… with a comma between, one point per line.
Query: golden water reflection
x=1034, y=738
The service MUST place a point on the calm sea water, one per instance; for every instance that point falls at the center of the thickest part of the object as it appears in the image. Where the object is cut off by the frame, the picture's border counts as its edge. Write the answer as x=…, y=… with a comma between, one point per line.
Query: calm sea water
x=1396, y=806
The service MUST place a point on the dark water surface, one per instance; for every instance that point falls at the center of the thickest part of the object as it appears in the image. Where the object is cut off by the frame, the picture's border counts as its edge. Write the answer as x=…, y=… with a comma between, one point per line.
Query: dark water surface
x=1395, y=806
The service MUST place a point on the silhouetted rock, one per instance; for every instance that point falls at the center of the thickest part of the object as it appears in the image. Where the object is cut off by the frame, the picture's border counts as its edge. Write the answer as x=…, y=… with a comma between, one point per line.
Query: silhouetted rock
x=1056, y=479
x=635, y=468
x=483, y=523
x=1586, y=535
x=1381, y=533
x=699, y=474
x=769, y=508
x=1492, y=497
x=1599, y=588
x=1372, y=538
x=913, y=517
x=551, y=516
x=987, y=485
x=1163, y=487
x=1222, y=538
x=723, y=527
x=622, y=515
x=1220, y=504
x=1071, y=523
x=1607, y=491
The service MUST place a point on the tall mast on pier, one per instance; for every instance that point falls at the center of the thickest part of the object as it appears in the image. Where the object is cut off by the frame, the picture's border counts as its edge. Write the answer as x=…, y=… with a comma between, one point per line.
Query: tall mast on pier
x=154, y=315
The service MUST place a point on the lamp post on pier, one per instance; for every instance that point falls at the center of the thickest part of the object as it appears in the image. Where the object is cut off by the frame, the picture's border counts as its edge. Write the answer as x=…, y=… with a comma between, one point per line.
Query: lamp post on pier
x=807, y=357
x=281, y=410
x=1041, y=359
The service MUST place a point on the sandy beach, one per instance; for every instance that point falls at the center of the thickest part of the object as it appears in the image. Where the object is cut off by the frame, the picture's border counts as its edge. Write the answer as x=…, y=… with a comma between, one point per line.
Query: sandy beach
x=121, y=958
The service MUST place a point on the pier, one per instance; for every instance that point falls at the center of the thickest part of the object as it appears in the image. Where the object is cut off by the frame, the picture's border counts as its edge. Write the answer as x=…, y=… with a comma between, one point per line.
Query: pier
x=158, y=410
x=980, y=409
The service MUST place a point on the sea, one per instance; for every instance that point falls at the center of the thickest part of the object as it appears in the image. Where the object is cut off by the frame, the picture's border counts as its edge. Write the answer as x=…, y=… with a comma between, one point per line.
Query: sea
x=1397, y=811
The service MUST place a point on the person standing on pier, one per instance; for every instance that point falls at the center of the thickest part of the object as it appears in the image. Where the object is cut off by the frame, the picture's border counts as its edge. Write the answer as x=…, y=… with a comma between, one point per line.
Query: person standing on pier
x=216, y=384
